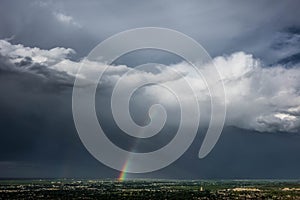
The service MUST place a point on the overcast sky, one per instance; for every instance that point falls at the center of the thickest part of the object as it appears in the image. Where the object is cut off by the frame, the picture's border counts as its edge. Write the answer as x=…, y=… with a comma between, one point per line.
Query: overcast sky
x=255, y=46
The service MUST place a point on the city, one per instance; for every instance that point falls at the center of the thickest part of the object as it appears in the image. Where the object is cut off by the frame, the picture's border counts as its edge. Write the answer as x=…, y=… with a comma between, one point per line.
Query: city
x=148, y=189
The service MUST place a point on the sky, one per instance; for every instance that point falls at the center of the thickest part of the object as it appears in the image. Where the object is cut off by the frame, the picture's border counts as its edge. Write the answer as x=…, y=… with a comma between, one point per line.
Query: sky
x=254, y=45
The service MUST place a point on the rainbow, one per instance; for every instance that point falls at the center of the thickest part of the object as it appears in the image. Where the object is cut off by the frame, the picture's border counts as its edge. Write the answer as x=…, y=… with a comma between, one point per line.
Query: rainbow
x=126, y=165
x=123, y=174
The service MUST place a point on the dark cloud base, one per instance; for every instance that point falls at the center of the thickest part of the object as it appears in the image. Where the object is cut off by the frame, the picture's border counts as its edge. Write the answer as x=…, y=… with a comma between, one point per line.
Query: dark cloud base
x=37, y=132
x=38, y=139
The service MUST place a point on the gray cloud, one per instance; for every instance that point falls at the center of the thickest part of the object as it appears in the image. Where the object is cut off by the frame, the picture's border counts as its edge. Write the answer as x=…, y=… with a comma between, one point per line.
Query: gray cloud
x=17, y=58
x=221, y=27
x=38, y=63
x=258, y=97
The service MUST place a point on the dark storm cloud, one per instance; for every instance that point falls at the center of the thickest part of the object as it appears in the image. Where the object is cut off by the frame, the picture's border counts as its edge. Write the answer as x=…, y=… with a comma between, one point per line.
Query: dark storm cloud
x=41, y=141
x=38, y=137
x=240, y=72
x=37, y=133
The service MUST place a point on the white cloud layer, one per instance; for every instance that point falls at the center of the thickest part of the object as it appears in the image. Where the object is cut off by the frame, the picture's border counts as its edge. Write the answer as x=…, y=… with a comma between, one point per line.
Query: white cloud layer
x=260, y=98
x=46, y=57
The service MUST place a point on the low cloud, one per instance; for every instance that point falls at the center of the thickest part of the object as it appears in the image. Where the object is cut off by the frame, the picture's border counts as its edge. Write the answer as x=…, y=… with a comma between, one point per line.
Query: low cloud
x=35, y=61
x=47, y=57
x=258, y=97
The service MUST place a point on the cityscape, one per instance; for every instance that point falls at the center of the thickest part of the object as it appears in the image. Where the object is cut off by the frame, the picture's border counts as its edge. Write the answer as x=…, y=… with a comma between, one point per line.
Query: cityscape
x=149, y=189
